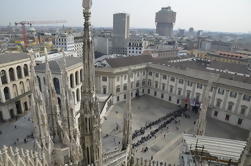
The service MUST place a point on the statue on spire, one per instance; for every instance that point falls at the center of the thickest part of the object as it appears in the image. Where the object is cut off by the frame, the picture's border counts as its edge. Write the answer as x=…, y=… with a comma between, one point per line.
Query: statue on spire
x=87, y=4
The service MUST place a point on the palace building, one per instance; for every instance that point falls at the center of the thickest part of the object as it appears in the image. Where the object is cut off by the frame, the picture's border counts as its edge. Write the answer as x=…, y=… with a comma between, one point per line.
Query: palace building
x=182, y=82
x=14, y=85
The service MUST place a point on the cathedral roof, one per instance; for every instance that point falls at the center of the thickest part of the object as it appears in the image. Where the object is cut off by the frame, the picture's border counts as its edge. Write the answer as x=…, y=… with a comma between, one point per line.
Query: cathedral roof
x=10, y=57
x=56, y=65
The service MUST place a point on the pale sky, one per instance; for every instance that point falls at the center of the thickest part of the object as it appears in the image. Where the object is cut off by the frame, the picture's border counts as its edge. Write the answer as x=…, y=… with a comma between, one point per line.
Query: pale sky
x=212, y=15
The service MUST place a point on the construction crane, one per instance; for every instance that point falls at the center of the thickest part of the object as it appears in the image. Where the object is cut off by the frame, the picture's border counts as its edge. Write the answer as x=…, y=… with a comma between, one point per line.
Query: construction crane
x=30, y=23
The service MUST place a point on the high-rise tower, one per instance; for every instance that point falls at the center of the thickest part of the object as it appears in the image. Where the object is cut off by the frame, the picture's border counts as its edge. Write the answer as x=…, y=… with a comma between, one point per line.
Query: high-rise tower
x=89, y=123
x=121, y=24
x=165, y=18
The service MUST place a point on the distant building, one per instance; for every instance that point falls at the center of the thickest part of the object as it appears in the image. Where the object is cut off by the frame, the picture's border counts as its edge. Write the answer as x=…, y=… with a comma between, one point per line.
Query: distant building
x=181, y=32
x=103, y=44
x=78, y=45
x=222, y=56
x=163, y=51
x=15, y=91
x=65, y=41
x=165, y=19
x=212, y=45
x=191, y=32
x=54, y=56
x=136, y=46
x=121, y=24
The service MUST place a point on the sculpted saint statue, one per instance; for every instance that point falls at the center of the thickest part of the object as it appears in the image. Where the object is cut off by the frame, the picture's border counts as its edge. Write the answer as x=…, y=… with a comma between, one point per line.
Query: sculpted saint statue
x=87, y=4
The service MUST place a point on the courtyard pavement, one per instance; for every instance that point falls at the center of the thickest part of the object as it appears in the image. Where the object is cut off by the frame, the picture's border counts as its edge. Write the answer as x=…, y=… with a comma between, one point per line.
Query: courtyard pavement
x=166, y=146
x=14, y=132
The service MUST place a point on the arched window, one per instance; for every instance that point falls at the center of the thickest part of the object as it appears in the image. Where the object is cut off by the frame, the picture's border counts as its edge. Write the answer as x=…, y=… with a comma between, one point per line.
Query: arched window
x=137, y=84
x=3, y=77
x=39, y=83
x=6, y=92
x=15, y=91
x=125, y=87
x=11, y=74
x=72, y=81
x=22, y=88
x=78, y=95
x=59, y=103
x=56, y=85
x=230, y=106
x=26, y=70
x=19, y=72
x=117, y=88
x=28, y=84
x=218, y=103
x=243, y=110
x=104, y=89
x=81, y=75
x=76, y=78
x=74, y=97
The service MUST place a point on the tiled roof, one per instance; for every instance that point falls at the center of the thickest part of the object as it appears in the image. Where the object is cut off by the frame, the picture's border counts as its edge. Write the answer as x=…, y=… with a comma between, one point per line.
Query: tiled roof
x=56, y=65
x=9, y=57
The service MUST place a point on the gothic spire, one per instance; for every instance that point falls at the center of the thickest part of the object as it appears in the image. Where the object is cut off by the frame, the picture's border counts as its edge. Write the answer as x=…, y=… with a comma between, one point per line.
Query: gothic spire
x=51, y=101
x=39, y=115
x=127, y=134
x=90, y=127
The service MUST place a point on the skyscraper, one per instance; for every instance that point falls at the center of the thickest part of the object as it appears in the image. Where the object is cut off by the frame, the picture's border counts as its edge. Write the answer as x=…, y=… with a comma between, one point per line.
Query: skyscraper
x=165, y=18
x=121, y=24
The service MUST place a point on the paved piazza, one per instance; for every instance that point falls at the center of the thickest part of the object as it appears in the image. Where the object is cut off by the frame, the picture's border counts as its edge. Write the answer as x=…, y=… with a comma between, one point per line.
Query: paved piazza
x=166, y=145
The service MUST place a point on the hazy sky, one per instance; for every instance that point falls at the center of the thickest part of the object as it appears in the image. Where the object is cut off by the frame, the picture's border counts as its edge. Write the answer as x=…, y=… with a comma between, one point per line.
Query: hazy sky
x=213, y=15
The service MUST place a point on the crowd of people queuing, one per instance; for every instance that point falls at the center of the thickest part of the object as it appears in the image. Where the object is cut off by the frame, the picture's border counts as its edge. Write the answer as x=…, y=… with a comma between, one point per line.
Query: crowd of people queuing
x=168, y=118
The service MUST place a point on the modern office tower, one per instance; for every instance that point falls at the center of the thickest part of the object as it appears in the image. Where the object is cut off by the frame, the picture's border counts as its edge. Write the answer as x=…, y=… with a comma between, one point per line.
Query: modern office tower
x=121, y=25
x=165, y=19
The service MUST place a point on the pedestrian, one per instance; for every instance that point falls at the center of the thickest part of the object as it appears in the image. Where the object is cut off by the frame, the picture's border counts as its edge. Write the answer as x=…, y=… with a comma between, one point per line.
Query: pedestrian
x=15, y=126
x=164, y=135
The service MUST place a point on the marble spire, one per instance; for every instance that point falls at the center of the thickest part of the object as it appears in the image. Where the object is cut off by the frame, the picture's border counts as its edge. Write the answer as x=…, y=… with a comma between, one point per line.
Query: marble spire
x=43, y=140
x=127, y=129
x=89, y=123
x=52, y=107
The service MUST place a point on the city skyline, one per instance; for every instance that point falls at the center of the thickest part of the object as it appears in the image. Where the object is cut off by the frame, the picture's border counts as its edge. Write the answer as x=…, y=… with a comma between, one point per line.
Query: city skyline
x=222, y=16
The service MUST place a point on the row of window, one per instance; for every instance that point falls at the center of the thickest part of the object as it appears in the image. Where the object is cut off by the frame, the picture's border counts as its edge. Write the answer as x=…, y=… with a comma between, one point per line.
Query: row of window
x=136, y=48
x=227, y=118
x=21, y=72
x=231, y=105
x=135, y=44
x=200, y=86
x=76, y=79
x=104, y=78
x=125, y=86
x=136, y=52
x=7, y=92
